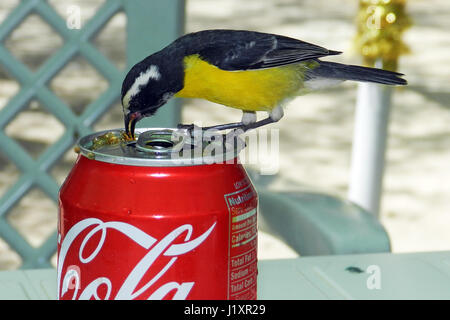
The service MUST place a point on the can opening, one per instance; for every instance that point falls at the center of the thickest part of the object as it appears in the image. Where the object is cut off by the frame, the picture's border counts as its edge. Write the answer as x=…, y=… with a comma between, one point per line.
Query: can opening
x=159, y=141
x=160, y=144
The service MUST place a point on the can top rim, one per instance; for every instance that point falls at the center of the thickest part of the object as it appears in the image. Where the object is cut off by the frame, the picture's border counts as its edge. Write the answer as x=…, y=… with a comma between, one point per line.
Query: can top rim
x=161, y=147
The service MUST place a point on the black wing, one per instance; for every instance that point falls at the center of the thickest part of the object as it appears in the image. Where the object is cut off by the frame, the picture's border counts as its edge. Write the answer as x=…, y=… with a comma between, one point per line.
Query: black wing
x=243, y=50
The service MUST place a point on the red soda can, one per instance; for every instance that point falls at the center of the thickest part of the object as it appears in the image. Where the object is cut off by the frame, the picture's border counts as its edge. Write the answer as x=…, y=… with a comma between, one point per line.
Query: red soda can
x=141, y=220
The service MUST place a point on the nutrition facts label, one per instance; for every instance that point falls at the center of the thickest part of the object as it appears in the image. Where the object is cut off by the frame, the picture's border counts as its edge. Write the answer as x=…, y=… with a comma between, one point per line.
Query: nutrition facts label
x=243, y=244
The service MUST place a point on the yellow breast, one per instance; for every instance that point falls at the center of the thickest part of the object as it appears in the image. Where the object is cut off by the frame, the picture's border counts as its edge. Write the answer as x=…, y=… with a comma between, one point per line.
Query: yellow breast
x=251, y=90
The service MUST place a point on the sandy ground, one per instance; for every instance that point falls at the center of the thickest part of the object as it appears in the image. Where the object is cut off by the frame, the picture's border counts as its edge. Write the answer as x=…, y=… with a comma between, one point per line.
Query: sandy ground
x=315, y=135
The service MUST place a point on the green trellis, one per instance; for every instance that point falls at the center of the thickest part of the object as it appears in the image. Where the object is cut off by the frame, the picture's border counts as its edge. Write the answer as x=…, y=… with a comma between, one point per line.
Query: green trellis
x=151, y=24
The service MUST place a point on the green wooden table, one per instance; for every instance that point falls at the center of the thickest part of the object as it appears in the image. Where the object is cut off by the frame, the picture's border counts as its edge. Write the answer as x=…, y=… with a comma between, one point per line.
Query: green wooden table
x=363, y=276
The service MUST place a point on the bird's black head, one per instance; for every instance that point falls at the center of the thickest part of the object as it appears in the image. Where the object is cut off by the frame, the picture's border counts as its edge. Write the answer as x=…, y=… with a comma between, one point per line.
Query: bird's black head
x=143, y=92
x=148, y=86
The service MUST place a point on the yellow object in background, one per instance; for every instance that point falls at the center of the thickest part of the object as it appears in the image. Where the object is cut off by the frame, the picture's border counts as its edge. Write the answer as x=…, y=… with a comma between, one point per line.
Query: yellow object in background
x=381, y=24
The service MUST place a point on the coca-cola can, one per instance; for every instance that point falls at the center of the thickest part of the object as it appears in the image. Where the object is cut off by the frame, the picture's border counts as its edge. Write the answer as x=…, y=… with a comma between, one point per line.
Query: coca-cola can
x=166, y=217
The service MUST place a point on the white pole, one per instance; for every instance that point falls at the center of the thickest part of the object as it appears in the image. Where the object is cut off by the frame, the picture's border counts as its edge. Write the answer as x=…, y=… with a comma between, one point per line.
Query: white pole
x=369, y=144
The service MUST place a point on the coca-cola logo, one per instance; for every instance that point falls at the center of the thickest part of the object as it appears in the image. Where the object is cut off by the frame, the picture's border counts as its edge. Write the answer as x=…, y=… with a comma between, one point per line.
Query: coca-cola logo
x=71, y=279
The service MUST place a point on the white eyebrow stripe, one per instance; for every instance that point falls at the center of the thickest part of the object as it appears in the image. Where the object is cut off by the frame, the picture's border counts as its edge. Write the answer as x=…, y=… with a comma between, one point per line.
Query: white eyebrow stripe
x=151, y=73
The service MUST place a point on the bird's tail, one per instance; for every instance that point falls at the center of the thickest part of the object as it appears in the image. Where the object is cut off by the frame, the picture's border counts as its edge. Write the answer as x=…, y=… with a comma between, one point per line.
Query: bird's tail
x=339, y=71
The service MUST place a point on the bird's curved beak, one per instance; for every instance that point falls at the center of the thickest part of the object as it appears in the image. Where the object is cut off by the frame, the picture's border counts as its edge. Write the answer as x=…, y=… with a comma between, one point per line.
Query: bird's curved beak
x=130, y=123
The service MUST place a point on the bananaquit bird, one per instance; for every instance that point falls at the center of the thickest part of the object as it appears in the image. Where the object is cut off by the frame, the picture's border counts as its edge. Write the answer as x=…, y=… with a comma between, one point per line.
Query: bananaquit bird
x=247, y=70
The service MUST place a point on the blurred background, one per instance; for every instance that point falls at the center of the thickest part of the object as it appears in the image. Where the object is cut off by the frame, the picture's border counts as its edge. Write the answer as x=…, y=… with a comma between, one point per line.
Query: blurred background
x=315, y=134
